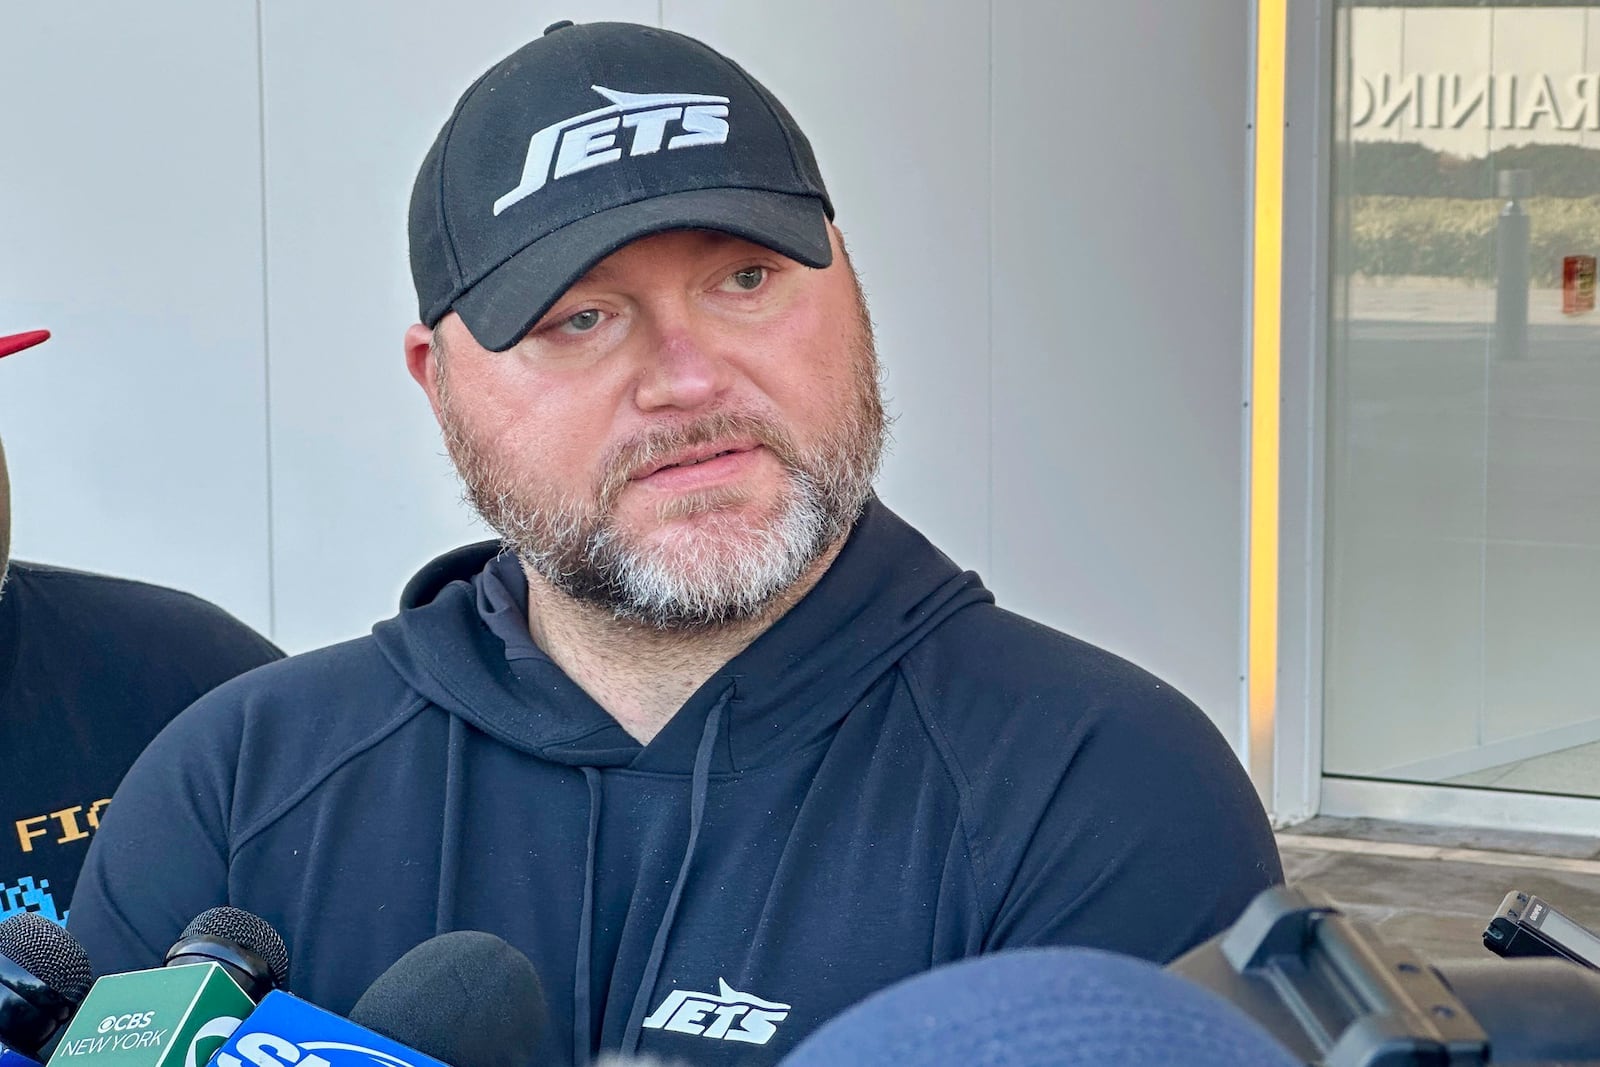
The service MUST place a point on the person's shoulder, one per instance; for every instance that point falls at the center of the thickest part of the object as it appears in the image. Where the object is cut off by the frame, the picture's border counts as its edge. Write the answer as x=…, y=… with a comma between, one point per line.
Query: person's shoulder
x=301, y=711
x=997, y=662
x=1073, y=755
x=145, y=600
x=318, y=684
x=1009, y=699
x=138, y=612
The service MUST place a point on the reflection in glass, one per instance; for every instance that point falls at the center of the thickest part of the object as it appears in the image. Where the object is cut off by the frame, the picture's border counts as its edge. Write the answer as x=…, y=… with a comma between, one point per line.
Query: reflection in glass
x=1463, y=538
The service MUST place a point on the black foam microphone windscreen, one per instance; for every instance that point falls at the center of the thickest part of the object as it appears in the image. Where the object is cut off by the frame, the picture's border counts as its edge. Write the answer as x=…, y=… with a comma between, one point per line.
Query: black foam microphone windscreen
x=465, y=998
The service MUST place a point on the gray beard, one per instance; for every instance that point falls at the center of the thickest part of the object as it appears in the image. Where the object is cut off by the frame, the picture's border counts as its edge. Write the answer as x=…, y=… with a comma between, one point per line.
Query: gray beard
x=723, y=569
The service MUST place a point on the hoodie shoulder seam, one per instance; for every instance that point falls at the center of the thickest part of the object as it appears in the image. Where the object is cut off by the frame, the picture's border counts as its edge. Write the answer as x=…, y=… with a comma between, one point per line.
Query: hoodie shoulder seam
x=283, y=807
x=977, y=869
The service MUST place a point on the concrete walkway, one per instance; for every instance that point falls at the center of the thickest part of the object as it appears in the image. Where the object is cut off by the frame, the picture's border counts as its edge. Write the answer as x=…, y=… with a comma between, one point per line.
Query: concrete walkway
x=1435, y=888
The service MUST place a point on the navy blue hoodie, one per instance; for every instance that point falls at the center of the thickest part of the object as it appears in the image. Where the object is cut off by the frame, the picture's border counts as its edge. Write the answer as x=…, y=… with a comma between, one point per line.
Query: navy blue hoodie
x=895, y=775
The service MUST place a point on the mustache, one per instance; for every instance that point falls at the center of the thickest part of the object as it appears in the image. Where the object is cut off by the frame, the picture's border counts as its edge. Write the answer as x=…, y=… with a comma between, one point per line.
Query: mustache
x=652, y=446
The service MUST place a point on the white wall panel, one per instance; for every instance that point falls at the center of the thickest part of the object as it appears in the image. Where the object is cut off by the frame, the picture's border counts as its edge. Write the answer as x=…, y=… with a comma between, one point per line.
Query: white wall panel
x=130, y=225
x=1047, y=203
x=894, y=97
x=356, y=92
x=1120, y=227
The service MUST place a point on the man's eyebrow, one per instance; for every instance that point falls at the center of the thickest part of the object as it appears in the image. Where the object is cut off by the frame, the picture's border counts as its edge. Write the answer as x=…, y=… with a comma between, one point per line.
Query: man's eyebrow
x=601, y=272
x=597, y=274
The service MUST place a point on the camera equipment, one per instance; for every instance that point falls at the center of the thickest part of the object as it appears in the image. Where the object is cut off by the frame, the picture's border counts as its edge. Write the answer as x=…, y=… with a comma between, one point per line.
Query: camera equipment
x=1526, y=925
x=1335, y=994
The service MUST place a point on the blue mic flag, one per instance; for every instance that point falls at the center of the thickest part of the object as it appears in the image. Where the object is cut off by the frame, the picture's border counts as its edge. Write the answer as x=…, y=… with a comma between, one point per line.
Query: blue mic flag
x=285, y=1031
x=11, y=1058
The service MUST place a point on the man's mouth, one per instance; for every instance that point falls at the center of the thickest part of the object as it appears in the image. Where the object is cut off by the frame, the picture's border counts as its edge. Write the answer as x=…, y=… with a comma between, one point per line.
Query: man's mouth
x=694, y=458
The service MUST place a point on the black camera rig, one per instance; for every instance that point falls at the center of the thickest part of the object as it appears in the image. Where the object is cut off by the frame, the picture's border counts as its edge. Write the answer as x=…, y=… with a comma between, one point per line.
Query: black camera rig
x=1332, y=992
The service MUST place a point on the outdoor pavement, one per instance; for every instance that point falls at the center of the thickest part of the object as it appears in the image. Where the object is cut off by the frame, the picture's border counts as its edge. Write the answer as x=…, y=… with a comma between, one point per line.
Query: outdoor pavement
x=1435, y=888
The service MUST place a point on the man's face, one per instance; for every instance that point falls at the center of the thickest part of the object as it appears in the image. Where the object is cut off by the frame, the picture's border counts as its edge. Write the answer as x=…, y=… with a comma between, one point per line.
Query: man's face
x=687, y=430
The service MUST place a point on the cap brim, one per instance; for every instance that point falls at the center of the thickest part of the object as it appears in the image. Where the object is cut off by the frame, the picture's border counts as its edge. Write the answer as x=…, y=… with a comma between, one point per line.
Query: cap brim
x=506, y=303
x=16, y=342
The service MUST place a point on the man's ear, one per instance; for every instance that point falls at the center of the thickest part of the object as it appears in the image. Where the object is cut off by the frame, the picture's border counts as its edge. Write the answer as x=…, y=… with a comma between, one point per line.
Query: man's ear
x=423, y=363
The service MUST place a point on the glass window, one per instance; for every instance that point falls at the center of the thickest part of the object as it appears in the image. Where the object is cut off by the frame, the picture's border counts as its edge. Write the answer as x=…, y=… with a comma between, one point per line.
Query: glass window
x=1463, y=547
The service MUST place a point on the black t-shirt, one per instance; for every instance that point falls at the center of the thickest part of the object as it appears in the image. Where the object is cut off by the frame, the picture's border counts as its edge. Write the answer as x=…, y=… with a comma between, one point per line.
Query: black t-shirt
x=91, y=668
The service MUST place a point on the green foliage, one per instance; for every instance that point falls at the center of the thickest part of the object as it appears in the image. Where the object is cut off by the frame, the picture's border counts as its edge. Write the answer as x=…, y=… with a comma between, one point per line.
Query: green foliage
x=1452, y=237
x=1398, y=168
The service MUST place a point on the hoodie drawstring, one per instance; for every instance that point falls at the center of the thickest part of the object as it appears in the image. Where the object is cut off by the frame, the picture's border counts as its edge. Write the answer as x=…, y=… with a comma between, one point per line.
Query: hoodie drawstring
x=699, y=783
x=455, y=823
x=583, y=1033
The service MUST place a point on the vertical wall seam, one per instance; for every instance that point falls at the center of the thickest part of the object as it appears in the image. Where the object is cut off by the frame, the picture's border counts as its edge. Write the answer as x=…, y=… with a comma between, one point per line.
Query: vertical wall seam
x=266, y=321
x=988, y=311
x=1312, y=553
x=1242, y=738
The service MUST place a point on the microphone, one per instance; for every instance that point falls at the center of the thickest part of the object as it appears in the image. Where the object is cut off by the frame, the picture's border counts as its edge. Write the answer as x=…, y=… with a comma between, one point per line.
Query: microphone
x=463, y=999
x=1049, y=1007
x=246, y=946
x=44, y=974
x=174, y=1015
x=285, y=1030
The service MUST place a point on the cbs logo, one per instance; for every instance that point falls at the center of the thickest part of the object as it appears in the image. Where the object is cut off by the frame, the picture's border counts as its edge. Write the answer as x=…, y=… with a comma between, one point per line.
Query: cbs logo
x=134, y=1021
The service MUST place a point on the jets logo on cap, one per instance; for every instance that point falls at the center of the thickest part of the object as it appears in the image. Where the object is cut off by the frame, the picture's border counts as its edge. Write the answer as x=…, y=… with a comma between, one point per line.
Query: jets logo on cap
x=592, y=139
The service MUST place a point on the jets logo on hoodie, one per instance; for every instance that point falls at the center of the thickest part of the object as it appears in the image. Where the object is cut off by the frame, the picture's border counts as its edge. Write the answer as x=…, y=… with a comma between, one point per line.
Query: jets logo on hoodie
x=726, y=1015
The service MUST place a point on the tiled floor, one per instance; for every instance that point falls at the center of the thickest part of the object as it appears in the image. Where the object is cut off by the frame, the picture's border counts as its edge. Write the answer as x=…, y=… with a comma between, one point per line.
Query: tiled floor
x=1573, y=770
x=1435, y=888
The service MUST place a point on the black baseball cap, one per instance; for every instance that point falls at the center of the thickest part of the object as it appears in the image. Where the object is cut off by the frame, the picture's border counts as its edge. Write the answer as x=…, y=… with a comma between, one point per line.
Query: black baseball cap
x=586, y=140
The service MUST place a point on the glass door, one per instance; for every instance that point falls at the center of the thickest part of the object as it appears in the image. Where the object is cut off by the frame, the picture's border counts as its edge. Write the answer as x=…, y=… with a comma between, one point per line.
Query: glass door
x=1462, y=601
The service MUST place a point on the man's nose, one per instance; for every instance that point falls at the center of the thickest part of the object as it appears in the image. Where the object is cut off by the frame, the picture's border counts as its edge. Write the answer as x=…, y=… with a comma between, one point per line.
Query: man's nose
x=684, y=365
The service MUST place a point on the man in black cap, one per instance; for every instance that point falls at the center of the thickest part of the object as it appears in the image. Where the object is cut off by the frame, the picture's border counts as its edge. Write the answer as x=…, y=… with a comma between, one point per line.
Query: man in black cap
x=91, y=668
x=712, y=735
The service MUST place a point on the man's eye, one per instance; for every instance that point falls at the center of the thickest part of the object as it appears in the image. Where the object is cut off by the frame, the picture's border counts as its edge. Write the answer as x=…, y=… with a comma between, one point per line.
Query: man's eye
x=749, y=278
x=583, y=321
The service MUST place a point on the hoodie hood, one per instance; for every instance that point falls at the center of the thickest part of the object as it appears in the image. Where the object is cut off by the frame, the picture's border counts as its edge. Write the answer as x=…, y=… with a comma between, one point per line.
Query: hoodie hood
x=887, y=590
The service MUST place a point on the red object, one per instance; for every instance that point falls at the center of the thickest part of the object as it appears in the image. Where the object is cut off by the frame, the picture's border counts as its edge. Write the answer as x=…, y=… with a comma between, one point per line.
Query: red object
x=1577, y=284
x=18, y=341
